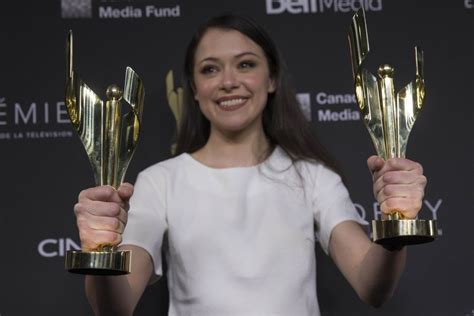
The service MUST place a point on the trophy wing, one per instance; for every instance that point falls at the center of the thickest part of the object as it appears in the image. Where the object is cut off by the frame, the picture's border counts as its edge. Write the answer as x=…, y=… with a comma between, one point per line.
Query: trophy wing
x=366, y=86
x=409, y=102
x=367, y=95
x=134, y=92
x=134, y=95
x=358, y=40
x=175, y=97
x=85, y=110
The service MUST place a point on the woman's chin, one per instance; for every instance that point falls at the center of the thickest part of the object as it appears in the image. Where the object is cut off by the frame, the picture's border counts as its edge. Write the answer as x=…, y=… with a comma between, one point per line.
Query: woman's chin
x=235, y=127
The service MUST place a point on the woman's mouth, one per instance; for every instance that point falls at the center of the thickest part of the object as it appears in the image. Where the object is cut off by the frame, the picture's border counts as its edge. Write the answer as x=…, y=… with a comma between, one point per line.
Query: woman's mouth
x=231, y=104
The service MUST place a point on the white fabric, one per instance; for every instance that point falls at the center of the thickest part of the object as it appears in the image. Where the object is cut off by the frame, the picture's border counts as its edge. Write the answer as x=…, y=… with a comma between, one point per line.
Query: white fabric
x=240, y=241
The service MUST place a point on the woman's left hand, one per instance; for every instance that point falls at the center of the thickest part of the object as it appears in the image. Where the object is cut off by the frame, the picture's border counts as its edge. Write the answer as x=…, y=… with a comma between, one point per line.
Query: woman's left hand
x=399, y=185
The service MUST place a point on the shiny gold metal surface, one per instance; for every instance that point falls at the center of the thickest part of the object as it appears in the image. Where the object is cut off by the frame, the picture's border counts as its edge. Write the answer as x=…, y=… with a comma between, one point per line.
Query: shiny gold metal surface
x=400, y=232
x=389, y=118
x=109, y=133
x=99, y=262
x=175, y=102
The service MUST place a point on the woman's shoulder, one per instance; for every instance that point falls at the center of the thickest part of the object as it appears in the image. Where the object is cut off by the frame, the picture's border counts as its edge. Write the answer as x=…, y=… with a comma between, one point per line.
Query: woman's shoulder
x=310, y=170
x=167, y=166
x=282, y=159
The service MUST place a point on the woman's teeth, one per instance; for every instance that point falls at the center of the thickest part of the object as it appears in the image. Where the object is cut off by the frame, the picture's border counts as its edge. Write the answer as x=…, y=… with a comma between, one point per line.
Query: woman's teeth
x=233, y=102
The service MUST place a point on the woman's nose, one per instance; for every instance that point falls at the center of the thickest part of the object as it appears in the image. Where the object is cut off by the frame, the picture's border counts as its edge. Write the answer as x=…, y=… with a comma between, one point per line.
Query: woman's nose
x=229, y=80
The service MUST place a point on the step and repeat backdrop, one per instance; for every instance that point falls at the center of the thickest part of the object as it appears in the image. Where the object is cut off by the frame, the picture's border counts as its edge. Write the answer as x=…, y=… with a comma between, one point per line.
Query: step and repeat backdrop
x=43, y=165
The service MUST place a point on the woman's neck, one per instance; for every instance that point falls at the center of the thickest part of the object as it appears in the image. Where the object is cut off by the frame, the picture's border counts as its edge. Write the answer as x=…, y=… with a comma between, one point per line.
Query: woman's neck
x=227, y=150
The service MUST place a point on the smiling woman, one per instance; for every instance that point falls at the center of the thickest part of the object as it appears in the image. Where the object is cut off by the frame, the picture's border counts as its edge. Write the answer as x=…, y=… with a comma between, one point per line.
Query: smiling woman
x=232, y=59
x=231, y=74
x=231, y=85
x=237, y=210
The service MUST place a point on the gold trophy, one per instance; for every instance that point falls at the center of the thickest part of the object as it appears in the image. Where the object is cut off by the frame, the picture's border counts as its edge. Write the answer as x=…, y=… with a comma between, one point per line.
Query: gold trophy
x=389, y=118
x=175, y=102
x=109, y=134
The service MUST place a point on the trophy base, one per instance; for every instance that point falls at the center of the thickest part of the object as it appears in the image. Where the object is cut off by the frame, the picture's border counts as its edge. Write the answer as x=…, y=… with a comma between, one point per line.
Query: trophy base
x=402, y=232
x=98, y=262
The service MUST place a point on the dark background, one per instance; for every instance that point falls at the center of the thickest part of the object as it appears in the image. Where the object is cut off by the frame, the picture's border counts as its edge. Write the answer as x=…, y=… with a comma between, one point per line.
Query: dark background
x=41, y=177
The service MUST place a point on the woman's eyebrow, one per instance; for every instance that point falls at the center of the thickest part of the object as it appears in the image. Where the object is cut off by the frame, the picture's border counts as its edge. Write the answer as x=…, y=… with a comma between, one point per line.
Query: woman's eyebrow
x=247, y=53
x=215, y=59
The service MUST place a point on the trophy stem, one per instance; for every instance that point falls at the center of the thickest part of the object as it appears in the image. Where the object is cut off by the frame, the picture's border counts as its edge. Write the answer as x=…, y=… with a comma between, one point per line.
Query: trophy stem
x=389, y=111
x=111, y=141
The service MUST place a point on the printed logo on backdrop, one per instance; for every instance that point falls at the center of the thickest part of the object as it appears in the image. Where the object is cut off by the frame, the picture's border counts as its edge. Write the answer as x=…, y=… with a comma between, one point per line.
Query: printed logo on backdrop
x=33, y=120
x=56, y=247
x=119, y=9
x=304, y=100
x=330, y=107
x=431, y=207
x=76, y=9
x=321, y=6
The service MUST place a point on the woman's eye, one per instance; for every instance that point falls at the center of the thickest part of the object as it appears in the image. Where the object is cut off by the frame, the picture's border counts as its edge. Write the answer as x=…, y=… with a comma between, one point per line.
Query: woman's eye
x=247, y=64
x=209, y=69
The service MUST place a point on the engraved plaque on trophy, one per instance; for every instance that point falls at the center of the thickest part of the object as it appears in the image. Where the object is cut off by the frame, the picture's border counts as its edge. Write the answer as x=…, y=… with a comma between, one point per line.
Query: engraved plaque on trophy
x=389, y=118
x=109, y=133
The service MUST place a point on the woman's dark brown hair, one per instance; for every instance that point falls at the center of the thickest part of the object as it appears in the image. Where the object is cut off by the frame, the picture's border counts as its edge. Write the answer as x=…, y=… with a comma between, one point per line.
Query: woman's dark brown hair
x=283, y=121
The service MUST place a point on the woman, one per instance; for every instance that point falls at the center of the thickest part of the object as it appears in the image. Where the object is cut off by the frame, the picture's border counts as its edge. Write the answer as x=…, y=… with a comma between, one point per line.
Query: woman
x=238, y=207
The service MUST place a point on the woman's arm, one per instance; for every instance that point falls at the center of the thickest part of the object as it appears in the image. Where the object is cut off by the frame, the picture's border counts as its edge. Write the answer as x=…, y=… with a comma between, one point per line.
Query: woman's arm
x=101, y=215
x=119, y=295
x=372, y=270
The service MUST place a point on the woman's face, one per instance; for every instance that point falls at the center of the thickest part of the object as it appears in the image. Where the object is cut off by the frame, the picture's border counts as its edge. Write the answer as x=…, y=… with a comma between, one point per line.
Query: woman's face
x=231, y=80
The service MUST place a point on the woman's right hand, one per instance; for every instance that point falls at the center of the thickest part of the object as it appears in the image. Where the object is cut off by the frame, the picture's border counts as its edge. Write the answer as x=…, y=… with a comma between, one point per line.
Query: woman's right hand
x=101, y=215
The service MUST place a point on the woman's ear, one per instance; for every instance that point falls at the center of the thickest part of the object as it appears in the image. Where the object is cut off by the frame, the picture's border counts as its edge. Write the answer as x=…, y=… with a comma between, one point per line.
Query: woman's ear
x=271, y=86
x=193, y=88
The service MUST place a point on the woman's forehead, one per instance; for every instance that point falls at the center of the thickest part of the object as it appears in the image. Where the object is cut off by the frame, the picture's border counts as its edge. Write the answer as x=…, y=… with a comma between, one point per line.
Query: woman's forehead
x=221, y=43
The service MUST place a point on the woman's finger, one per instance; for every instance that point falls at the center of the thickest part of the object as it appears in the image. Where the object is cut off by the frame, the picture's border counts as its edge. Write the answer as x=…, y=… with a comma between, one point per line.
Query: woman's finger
x=408, y=207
